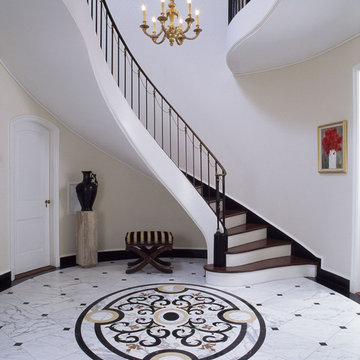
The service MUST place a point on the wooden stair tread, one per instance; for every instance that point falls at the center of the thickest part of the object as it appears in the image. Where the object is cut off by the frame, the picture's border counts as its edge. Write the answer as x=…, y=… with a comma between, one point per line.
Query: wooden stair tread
x=257, y=245
x=245, y=228
x=232, y=212
x=262, y=265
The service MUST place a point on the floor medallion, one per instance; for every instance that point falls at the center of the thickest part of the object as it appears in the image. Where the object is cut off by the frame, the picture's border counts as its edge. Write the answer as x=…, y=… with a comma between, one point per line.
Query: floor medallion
x=172, y=322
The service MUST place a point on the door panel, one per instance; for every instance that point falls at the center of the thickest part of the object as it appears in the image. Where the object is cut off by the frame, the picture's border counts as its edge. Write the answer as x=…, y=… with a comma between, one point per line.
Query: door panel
x=31, y=182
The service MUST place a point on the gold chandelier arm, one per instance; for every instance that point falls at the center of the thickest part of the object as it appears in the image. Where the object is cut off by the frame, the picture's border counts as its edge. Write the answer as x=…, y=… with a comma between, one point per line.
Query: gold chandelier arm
x=144, y=28
x=152, y=36
x=179, y=40
x=197, y=32
x=189, y=22
x=161, y=41
x=158, y=35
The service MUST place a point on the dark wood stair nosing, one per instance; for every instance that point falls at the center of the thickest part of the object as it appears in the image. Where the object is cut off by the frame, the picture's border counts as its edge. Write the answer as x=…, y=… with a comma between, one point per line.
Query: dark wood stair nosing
x=256, y=245
x=231, y=213
x=283, y=261
x=241, y=229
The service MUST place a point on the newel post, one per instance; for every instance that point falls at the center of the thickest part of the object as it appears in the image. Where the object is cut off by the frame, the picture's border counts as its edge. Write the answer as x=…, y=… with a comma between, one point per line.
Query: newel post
x=220, y=248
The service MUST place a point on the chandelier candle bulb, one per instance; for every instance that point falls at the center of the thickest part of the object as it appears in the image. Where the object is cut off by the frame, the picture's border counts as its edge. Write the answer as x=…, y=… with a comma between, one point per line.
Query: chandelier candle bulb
x=143, y=8
x=181, y=23
x=189, y=7
x=154, y=25
x=197, y=12
x=162, y=7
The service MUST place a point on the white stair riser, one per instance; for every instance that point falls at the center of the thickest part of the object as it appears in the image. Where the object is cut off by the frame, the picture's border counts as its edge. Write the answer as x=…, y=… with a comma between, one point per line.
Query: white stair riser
x=236, y=220
x=258, y=255
x=260, y=276
x=247, y=237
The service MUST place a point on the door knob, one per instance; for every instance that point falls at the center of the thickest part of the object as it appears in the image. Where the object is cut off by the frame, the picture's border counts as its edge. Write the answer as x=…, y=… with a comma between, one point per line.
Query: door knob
x=47, y=202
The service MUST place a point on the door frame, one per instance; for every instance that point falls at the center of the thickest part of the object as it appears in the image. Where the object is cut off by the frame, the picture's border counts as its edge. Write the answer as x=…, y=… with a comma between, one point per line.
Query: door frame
x=53, y=188
x=355, y=258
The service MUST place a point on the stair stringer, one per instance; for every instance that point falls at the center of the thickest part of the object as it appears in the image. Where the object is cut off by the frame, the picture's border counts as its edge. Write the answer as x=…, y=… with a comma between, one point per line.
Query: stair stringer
x=155, y=159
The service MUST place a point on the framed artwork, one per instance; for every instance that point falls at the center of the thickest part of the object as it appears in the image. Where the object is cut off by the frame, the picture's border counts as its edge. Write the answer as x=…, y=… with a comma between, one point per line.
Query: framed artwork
x=332, y=147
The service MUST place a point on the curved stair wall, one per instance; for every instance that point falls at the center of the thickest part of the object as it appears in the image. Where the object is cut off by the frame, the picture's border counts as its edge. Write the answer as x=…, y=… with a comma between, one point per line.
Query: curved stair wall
x=151, y=149
x=70, y=78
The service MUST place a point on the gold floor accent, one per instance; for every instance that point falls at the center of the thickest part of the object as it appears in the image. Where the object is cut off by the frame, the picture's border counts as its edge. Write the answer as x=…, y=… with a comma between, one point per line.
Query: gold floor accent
x=227, y=316
x=114, y=314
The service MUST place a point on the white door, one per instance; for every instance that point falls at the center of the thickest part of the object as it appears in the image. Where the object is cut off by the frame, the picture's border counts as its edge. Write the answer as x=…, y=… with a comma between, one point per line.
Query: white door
x=31, y=190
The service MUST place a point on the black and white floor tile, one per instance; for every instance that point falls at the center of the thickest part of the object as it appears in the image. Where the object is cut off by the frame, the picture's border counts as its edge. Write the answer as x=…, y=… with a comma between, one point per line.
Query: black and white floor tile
x=103, y=313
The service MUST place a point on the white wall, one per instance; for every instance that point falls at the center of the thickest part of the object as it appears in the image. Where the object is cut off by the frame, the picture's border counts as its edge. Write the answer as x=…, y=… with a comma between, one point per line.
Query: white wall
x=262, y=127
x=126, y=200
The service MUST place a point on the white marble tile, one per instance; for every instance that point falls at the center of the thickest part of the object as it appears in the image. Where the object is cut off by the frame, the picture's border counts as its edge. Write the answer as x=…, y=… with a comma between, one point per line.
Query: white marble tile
x=354, y=325
x=285, y=345
x=15, y=353
x=311, y=329
x=5, y=341
x=52, y=347
x=347, y=340
x=332, y=353
x=78, y=355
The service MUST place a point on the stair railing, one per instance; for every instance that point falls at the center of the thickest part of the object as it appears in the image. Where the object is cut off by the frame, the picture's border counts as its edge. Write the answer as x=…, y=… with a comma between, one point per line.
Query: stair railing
x=235, y=6
x=183, y=146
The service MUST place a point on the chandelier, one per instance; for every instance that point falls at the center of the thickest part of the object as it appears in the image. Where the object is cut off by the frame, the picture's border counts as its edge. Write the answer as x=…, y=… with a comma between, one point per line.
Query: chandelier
x=174, y=33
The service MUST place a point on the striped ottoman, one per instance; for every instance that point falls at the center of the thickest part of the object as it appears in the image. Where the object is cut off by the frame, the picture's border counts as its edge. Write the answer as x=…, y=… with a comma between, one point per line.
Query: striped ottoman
x=148, y=245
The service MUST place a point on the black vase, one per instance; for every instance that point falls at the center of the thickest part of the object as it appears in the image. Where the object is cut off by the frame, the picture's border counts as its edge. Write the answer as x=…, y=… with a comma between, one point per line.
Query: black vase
x=86, y=190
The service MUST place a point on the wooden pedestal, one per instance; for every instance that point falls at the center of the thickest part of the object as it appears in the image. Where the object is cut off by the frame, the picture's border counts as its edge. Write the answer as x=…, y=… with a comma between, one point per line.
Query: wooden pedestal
x=86, y=239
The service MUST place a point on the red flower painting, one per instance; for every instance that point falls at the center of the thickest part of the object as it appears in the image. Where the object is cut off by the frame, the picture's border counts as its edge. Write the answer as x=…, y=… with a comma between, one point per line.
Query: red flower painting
x=331, y=141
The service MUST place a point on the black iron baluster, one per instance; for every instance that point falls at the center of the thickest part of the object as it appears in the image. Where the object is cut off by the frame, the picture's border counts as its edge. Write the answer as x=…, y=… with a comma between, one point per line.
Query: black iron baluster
x=106, y=38
x=101, y=23
x=96, y=16
x=223, y=200
x=162, y=123
x=112, y=49
x=146, y=109
x=170, y=131
x=92, y=9
x=193, y=159
x=118, y=62
x=186, y=151
x=138, y=99
x=217, y=179
x=132, y=84
x=154, y=106
x=208, y=175
x=125, y=73
x=178, y=141
x=201, y=171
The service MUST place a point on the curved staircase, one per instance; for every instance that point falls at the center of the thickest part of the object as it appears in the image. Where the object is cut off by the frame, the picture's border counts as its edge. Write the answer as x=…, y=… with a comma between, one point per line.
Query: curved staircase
x=250, y=256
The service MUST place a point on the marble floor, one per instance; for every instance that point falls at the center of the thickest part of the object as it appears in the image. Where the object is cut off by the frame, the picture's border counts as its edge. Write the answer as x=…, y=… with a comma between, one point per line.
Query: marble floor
x=102, y=313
